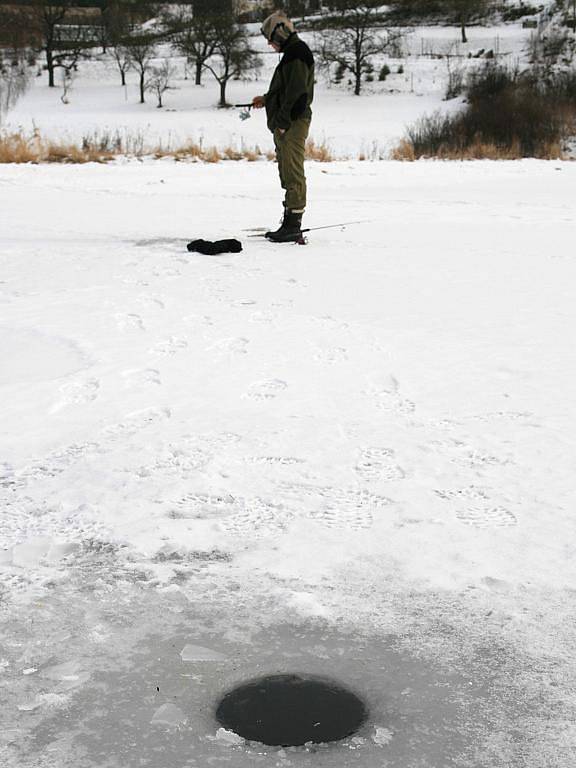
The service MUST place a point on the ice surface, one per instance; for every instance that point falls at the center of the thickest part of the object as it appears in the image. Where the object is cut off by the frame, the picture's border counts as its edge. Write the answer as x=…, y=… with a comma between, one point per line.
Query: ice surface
x=416, y=489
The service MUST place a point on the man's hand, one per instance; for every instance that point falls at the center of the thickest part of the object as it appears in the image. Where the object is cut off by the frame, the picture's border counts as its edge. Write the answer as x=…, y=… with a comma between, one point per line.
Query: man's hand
x=258, y=102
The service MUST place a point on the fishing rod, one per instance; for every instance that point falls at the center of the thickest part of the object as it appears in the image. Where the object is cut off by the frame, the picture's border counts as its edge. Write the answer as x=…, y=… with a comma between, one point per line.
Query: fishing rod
x=326, y=226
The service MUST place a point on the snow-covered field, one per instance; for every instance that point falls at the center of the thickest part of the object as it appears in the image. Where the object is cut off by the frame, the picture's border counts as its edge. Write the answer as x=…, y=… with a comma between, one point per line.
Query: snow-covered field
x=354, y=458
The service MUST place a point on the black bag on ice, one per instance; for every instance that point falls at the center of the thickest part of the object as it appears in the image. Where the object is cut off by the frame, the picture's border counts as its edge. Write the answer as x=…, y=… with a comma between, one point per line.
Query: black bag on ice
x=213, y=248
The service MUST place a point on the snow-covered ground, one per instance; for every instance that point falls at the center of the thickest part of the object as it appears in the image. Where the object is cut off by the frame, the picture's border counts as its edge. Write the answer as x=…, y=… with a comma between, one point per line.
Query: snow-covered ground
x=354, y=458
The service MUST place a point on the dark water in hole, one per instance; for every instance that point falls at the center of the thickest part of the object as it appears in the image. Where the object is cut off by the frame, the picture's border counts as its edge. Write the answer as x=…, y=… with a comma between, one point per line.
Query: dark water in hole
x=291, y=710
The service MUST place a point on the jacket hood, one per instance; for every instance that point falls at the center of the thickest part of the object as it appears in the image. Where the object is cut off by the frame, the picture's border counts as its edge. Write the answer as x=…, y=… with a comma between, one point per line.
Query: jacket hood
x=277, y=28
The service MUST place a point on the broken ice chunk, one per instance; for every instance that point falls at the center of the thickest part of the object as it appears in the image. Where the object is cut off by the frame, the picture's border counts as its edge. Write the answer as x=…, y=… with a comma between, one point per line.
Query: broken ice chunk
x=67, y=672
x=29, y=705
x=382, y=736
x=169, y=715
x=199, y=653
x=228, y=737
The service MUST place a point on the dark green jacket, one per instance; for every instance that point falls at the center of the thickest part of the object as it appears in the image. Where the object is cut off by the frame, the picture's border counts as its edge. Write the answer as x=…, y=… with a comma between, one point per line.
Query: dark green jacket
x=292, y=86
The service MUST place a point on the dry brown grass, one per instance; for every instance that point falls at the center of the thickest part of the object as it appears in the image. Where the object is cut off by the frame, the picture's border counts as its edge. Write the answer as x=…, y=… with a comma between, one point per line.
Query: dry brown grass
x=104, y=147
x=478, y=150
x=320, y=153
x=15, y=148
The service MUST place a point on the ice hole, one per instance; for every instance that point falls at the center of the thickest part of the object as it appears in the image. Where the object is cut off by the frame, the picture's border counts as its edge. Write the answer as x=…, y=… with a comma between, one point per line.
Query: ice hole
x=291, y=710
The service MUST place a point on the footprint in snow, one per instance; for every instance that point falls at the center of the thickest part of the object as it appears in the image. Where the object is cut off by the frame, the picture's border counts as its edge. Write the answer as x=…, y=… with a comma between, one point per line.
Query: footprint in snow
x=457, y=494
x=273, y=461
x=135, y=422
x=343, y=517
x=388, y=398
x=130, y=322
x=331, y=355
x=140, y=377
x=203, y=506
x=266, y=390
x=473, y=506
x=487, y=517
x=376, y=464
x=231, y=346
x=170, y=346
x=256, y=518
x=343, y=508
x=151, y=301
x=176, y=461
x=262, y=316
x=77, y=392
x=56, y=462
x=350, y=497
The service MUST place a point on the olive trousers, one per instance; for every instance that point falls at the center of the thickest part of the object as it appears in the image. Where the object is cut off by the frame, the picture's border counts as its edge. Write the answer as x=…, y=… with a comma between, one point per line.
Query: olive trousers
x=290, y=151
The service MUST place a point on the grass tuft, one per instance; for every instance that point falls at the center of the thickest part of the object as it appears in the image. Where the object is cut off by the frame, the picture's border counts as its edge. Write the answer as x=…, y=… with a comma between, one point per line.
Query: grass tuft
x=320, y=153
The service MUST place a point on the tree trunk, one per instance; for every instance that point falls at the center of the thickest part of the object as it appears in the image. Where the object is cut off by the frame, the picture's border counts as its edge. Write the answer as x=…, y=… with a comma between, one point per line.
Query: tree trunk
x=50, y=67
x=223, y=84
x=198, y=72
x=142, y=88
x=358, y=84
x=123, y=76
x=463, y=30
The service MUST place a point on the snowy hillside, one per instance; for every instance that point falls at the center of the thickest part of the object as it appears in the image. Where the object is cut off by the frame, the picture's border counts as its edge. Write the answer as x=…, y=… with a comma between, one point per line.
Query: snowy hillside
x=370, y=125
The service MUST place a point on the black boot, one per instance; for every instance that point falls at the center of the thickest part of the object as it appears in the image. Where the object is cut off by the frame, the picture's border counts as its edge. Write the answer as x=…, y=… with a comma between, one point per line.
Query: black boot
x=290, y=230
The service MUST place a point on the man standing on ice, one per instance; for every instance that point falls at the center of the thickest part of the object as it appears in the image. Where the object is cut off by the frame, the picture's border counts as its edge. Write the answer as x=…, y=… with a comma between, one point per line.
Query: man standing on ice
x=288, y=113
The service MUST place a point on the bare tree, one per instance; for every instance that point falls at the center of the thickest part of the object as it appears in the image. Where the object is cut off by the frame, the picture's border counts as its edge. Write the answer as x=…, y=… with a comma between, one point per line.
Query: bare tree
x=63, y=42
x=466, y=10
x=358, y=34
x=160, y=80
x=141, y=49
x=233, y=57
x=195, y=36
x=121, y=55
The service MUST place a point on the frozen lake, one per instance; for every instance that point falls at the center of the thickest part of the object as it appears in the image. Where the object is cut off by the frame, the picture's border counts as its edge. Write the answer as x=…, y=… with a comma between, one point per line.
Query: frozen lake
x=352, y=459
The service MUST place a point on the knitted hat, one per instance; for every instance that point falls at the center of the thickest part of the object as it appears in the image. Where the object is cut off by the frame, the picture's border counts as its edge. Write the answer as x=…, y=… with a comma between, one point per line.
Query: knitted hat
x=277, y=28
